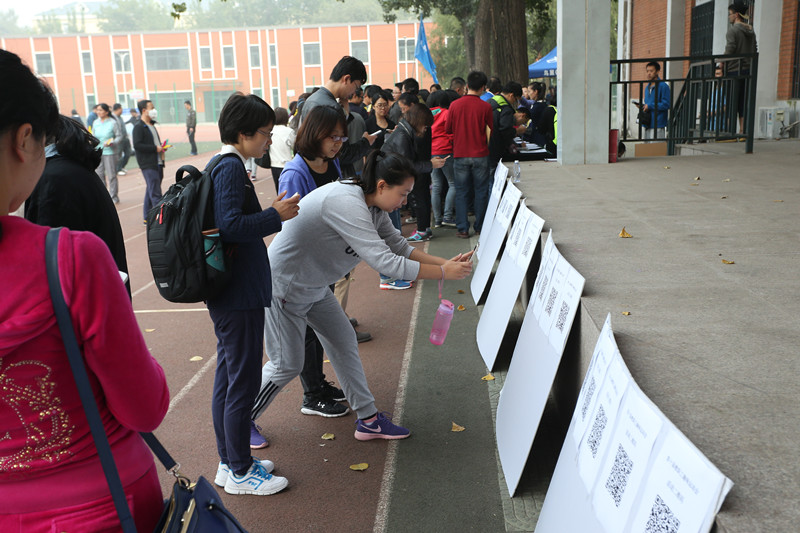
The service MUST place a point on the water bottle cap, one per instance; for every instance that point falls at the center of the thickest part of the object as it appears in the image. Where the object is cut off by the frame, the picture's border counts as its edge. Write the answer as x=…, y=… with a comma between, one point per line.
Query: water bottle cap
x=448, y=304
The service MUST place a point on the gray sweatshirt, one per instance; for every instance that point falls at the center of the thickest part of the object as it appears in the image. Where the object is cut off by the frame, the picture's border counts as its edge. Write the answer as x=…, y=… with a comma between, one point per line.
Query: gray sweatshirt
x=334, y=231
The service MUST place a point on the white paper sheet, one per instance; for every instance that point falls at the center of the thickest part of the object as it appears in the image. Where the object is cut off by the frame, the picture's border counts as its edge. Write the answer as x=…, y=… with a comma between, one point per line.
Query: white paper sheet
x=496, y=193
x=551, y=293
x=517, y=235
x=681, y=490
x=565, y=309
x=595, y=442
x=604, y=352
x=621, y=476
x=549, y=257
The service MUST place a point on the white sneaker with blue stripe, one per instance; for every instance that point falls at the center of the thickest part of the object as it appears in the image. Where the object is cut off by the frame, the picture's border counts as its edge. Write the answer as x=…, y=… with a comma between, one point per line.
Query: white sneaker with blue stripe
x=224, y=470
x=255, y=481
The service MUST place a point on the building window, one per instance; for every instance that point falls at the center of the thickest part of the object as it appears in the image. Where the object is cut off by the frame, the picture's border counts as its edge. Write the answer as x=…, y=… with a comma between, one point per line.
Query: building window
x=227, y=57
x=259, y=93
x=86, y=62
x=360, y=50
x=167, y=59
x=276, y=97
x=311, y=54
x=122, y=61
x=255, y=56
x=405, y=49
x=44, y=63
x=91, y=101
x=205, y=58
x=273, y=55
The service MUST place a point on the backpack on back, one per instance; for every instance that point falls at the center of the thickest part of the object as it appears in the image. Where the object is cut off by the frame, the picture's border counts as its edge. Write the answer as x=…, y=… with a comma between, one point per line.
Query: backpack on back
x=188, y=266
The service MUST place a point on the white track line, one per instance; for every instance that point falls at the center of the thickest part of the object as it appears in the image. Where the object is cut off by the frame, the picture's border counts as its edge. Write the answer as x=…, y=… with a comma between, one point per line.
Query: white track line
x=387, y=482
x=192, y=382
x=129, y=239
x=152, y=283
x=143, y=311
x=129, y=208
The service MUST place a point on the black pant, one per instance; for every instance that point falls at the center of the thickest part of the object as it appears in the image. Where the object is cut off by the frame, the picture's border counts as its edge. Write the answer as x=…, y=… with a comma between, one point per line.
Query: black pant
x=124, y=153
x=190, y=133
x=422, y=204
x=312, y=377
x=276, y=176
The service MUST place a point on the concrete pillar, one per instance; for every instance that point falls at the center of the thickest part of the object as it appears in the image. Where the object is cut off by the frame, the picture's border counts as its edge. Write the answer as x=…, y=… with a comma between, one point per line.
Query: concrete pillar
x=584, y=40
x=766, y=19
x=676, y=31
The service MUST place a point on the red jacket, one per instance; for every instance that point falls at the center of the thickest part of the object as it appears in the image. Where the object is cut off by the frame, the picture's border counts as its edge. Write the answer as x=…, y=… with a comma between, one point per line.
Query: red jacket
x=441, y=141
x=48, y=458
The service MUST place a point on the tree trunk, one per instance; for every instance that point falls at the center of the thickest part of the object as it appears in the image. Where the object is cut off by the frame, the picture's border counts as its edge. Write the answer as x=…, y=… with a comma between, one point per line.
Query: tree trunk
x=510, y=41
x=483, y=36
x=469, y=43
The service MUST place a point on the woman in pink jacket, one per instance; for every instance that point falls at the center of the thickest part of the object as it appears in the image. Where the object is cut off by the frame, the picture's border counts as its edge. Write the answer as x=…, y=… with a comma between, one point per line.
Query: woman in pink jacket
x=50, y=474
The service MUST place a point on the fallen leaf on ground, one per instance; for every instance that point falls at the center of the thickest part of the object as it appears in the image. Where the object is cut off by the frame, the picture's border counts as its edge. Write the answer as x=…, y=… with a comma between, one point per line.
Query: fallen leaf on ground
x=456, y=428
x=626, y=313
x=666, y=168
x=694, y=184
x=360, y=467
x=726, y=262
x=722, y=197
x=488, y=377
x=778, y=201
x=624, y=234
x=149, y=330
x=697, y=178
x=326, y=360
x=727, y=179
x=461, y=308
x=460, y=291
x=196, y=358
x=328, y=436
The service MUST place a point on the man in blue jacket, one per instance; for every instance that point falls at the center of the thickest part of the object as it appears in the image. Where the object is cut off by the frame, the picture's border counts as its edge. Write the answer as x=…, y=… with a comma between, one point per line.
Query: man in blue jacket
x=657, y=100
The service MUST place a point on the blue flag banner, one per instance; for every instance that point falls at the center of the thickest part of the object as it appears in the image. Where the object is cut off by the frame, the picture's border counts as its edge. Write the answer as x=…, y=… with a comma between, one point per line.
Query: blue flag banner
x=423, y=54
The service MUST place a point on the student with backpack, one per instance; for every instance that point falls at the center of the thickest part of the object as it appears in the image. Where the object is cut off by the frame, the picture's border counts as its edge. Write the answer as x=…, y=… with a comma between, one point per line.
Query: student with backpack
x=245, y=127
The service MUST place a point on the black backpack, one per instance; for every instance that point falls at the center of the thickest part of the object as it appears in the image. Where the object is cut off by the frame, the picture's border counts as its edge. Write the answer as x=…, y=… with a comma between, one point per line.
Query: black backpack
x=177, y=248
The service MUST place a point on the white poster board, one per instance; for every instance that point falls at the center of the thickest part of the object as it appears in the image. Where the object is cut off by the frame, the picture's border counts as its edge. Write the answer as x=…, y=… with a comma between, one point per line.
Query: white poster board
x=678, y=490
x=498, y=185
x=494, y=240
x=505, y=289
x=527, y=386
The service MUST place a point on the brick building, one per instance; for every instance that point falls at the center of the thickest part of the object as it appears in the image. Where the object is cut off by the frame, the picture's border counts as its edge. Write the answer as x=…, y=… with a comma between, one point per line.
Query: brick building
x=277, y=63
x=672, y=28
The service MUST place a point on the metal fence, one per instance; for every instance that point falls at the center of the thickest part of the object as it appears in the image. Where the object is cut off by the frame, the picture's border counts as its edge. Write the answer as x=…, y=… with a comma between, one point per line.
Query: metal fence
x=706, y=104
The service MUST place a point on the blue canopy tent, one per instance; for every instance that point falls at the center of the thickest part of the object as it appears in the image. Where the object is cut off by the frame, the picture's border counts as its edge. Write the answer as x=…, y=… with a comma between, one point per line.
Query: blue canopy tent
x=545, y=67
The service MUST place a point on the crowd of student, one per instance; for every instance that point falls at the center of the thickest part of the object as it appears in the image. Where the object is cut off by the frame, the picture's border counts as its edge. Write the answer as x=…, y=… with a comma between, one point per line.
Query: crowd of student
x=345, y=160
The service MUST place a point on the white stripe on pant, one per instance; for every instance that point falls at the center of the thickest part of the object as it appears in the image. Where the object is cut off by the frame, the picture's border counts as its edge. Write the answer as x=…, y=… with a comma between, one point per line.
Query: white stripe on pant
x=284, y=332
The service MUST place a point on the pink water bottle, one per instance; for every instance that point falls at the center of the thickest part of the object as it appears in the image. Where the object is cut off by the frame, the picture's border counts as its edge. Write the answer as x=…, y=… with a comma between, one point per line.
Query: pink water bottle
x=441, y=323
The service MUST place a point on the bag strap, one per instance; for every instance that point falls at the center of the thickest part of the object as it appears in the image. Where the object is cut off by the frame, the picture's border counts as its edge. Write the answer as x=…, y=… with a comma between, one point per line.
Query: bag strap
x=82, y=381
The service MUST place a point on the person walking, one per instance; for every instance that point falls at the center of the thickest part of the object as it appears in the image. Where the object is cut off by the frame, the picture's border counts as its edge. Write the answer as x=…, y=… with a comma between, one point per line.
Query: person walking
x=191, y=126
x=739, y=39
x=124, y=147
x=442, y=204
x=107, y=130
x=150, y=153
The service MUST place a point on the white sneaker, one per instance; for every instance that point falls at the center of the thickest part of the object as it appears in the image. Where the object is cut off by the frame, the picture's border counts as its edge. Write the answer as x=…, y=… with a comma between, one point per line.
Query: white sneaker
x=256, y=481
x=223, y=470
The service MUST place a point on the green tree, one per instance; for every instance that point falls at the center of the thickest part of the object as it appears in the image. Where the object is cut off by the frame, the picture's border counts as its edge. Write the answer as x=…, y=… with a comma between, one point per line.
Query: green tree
x=134, y=15
x=9, y=25
x=48, y=23
x=447, y=48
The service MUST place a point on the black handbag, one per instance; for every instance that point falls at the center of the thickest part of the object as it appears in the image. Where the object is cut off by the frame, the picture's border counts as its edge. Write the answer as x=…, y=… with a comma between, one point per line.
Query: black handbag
x=645, y=117
x=193, y=507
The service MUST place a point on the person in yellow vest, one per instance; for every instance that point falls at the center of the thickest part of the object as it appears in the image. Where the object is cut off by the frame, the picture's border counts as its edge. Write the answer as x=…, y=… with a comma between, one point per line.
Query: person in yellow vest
x=504, y=105
x=547, y=134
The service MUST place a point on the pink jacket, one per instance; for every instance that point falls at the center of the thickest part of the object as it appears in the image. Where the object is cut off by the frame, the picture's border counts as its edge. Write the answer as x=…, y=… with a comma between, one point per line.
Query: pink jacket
x=47, y=456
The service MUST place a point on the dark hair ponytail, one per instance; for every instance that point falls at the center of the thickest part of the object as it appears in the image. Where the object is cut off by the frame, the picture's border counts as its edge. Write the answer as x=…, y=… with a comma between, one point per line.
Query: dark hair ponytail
x=390, y=167
x=73, y=141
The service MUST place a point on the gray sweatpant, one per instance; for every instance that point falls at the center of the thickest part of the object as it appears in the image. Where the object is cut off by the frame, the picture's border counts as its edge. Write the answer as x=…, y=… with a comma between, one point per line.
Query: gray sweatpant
x=285, y=333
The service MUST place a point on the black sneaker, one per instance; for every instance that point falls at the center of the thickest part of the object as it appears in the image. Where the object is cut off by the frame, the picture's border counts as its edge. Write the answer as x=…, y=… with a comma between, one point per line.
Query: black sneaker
x=323, y=407
x=331, y=392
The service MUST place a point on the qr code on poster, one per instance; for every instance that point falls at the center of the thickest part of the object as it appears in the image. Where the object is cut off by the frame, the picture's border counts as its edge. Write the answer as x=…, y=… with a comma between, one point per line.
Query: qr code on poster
x=596, y=434
x=661, y=519
x=551, y=301
x=542, y=288
x=620, y=472
x=527, y=247
x=588, y=398
x=562, y=317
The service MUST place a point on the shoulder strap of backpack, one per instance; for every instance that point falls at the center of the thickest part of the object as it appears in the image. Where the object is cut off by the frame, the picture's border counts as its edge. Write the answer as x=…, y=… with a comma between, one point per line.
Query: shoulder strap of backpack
x=195, y=173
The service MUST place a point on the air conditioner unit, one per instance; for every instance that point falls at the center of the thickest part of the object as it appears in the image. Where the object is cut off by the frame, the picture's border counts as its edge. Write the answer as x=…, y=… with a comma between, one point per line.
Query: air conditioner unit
x=769, y=120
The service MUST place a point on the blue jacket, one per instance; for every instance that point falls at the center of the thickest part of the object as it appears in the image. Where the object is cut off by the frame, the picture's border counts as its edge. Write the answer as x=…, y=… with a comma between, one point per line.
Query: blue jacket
x=296, y=177
x=658, y=110
x=243, y=226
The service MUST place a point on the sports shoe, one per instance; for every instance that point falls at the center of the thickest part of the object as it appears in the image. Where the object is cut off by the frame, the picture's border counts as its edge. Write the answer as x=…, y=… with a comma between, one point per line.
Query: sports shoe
x=437, y=224
x=462, y=235
x=448, y=222
x=121, y=172
x=224, y=470
x=322, y=406
x=353, y=322
x=256, y=481
x=329, y=390
x=394, y=284
x=411, y=220
x=419, y=236
x=363, y=336
x=257, y=440
x=382, y=428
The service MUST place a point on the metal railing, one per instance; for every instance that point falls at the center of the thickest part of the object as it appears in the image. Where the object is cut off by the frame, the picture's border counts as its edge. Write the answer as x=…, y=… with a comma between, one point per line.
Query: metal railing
x=703, y=107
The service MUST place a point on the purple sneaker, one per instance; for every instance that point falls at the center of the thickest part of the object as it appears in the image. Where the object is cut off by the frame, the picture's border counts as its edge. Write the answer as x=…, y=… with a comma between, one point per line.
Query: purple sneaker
x=382, y=428
x=257, y=440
